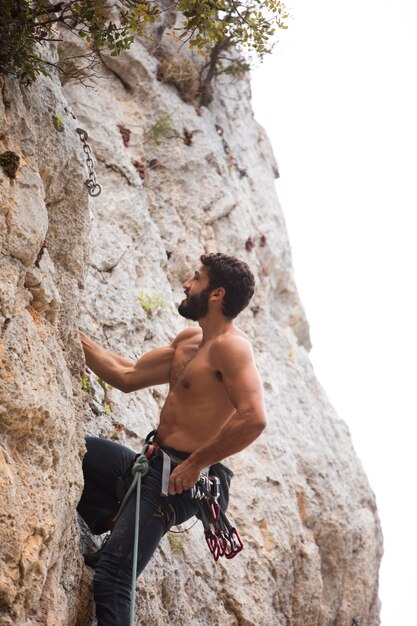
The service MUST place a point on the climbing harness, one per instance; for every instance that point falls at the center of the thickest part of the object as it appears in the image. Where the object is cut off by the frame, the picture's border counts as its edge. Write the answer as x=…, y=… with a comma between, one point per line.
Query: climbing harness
x=210, y=493
x=211, y=496
x=94, y=189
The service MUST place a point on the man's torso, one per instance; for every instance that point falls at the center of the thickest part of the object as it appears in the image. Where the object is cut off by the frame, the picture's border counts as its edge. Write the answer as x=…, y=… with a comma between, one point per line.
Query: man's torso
x=198, y=405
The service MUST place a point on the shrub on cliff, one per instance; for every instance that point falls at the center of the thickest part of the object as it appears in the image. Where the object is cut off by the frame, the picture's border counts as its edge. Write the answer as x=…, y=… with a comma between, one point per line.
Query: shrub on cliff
x=209, y=25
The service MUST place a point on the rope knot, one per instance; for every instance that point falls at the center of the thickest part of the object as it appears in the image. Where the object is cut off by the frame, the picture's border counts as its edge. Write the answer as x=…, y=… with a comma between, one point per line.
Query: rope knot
x=140, y=466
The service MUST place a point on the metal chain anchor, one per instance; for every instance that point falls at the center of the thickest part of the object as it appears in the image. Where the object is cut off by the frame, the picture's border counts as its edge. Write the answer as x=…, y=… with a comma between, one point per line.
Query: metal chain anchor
x=94, y=189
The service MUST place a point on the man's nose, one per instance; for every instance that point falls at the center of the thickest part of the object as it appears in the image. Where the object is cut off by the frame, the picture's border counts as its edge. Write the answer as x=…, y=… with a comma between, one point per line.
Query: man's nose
x=186, y=285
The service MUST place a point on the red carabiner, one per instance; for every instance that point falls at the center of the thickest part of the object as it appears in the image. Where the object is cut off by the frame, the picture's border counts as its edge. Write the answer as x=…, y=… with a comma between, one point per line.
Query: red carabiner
x=150, y=449
x=213, y=543
x=215, y=510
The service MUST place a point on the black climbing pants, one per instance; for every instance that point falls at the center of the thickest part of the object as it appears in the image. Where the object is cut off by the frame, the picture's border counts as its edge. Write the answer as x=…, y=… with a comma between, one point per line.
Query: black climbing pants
x=104, y=462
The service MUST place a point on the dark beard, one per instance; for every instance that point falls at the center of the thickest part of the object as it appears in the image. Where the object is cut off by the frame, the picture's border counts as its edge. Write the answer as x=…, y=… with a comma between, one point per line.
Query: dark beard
x=196, y=306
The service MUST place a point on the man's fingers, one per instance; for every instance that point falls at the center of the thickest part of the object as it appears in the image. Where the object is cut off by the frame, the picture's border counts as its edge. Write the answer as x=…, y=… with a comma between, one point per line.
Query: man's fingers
x=174, y=486
x=182, y=478
x=177, y=486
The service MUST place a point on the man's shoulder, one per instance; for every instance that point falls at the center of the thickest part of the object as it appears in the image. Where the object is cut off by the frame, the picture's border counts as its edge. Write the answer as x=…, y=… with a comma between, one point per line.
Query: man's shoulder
x=233, y=337
x=188, y=333
x=231, y=343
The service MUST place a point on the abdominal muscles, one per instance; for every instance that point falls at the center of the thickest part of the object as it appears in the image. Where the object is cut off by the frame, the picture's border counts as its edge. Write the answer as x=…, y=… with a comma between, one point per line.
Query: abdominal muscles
x=194, y=412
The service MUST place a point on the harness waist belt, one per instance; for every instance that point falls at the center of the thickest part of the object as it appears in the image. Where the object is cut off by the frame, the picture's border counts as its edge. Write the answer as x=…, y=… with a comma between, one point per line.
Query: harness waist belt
x=170, y=458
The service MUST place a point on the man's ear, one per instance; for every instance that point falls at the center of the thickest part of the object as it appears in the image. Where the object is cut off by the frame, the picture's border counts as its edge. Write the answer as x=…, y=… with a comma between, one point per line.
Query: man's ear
x=218, y=293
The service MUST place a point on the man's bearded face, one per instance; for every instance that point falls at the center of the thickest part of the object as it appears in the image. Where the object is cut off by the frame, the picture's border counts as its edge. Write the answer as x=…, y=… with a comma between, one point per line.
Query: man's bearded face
x=195, y=306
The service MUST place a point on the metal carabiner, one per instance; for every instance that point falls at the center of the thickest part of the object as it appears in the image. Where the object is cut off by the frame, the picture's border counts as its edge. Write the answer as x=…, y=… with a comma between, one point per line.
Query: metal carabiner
x=222, y=542
x=236, y=544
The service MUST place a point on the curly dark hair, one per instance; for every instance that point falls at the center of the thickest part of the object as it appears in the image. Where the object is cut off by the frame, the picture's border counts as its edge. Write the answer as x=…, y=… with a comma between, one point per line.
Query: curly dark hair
x=234, y=276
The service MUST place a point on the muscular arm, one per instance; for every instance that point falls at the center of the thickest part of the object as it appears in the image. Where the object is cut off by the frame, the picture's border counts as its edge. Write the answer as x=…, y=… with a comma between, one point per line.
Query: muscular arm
x=233, y=357
x=153, y=368
x=109, y=366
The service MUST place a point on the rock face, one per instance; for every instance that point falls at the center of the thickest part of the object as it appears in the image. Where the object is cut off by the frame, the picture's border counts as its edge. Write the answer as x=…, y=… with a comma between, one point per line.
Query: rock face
x=178, y=181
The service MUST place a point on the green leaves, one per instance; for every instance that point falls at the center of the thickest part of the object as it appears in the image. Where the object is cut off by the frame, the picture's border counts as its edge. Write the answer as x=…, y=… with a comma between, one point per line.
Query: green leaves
x=151, y=303
x=58, y=123
x=85, y=384
x=248, y=25
x=26, y=23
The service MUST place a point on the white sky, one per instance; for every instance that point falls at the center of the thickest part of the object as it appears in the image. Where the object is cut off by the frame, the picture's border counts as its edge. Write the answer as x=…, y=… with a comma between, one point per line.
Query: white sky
x=339, y=102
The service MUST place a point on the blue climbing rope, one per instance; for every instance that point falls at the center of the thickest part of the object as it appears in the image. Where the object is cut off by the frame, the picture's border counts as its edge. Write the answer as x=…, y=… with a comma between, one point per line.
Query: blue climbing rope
x=139, y=469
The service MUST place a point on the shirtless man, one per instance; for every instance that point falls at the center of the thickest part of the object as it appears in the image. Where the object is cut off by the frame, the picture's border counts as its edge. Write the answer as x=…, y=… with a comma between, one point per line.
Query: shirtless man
x=214, y=408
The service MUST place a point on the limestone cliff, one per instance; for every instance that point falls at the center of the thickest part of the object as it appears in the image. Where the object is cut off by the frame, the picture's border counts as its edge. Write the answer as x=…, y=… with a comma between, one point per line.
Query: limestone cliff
x=177, y=181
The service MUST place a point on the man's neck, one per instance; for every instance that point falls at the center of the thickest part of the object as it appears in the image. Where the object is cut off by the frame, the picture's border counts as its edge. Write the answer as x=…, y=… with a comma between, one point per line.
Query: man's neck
x=214, y=325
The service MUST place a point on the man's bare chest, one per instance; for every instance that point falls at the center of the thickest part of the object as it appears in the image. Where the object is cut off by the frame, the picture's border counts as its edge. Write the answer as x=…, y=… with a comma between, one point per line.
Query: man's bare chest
x=192, y=370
